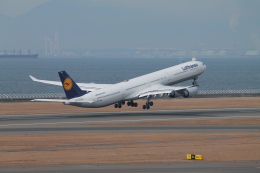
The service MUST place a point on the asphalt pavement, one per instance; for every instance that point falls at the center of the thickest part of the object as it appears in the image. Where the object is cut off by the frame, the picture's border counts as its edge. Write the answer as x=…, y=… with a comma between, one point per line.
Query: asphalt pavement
x=98, y=123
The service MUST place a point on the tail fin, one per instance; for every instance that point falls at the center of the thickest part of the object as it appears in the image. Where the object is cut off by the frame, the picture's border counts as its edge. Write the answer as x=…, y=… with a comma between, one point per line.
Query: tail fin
x=71, y=89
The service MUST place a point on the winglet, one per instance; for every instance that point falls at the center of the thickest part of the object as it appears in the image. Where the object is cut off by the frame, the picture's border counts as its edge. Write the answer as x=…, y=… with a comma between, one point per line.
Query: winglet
x=71, y=89
x=33, y=78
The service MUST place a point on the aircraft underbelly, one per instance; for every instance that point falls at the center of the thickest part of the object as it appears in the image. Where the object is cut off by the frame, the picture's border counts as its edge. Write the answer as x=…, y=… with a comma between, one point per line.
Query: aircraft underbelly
x=109, y=96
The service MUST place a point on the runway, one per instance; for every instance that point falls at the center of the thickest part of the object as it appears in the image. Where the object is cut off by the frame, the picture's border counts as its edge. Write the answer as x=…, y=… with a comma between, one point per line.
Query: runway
x=214, y=167
x=96, y=123
x=111, y=123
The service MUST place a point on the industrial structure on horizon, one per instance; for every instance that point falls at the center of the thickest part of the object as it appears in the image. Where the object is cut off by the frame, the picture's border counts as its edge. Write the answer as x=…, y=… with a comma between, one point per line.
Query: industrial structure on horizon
x=52, y=47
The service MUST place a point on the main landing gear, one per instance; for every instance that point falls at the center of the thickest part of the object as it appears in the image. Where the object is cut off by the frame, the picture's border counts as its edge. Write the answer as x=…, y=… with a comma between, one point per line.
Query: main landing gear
x=129, y=103
x=148, y=105
x=132, y=103
x=119, y=104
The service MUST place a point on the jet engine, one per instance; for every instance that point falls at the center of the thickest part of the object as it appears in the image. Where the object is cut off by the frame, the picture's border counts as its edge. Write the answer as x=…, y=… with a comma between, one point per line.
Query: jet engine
x=174, y=94
x=189, y=92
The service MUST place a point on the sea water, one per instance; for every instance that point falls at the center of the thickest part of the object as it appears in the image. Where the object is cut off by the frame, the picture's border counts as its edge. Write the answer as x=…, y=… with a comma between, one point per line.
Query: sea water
x=221, y=73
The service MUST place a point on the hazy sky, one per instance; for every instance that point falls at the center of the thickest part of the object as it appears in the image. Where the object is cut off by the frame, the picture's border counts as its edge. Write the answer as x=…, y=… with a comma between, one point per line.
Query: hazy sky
x=88, y=24
x=17, y=7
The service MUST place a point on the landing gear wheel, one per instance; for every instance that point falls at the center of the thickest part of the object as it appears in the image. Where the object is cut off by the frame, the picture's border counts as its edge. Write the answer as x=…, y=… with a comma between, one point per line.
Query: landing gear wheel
x=147, y=106
x=135, y=104
x=151, y=103
x=119, y=105
x=144, y=106
x=123, y=102
x=116, y=105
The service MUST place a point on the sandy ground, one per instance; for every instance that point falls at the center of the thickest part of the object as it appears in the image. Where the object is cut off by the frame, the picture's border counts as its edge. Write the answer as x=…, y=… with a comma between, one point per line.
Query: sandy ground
x=130, y=147
x=171, y=104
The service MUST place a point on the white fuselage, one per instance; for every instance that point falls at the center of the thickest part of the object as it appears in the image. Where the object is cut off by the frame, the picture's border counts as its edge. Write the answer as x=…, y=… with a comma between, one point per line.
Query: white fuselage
x=129, y=89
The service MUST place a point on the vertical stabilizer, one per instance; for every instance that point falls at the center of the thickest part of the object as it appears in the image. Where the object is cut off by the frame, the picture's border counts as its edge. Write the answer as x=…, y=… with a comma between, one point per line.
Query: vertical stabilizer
x=71, y=89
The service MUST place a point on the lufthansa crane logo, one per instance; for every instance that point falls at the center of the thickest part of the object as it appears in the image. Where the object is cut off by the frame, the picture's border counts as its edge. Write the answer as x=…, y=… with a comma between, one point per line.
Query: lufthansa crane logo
x=67, y=84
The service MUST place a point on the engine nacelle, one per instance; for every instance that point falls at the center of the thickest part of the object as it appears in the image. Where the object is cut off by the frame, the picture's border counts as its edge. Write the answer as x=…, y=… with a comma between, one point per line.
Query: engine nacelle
x=189, y=92
x=174, y=94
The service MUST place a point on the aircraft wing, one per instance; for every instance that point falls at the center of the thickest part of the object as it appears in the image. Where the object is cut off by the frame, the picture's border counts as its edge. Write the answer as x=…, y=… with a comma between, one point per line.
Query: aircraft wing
x=83, y=86
x=161, y=90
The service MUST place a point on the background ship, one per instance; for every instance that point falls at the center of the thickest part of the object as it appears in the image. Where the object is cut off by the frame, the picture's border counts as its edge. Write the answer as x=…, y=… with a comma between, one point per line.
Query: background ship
x=20, y=55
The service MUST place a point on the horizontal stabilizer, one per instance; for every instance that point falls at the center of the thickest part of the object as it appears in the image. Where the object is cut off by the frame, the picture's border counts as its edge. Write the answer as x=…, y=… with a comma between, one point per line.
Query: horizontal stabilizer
x=61, y=101
x=46, y=81
x=49, y=100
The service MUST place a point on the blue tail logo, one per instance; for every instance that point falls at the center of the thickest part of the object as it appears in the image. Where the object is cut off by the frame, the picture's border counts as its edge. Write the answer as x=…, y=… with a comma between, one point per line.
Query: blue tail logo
x=71, y=89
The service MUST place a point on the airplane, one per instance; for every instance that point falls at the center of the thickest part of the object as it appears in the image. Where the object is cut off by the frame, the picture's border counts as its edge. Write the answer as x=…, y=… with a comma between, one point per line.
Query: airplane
x=149, y=86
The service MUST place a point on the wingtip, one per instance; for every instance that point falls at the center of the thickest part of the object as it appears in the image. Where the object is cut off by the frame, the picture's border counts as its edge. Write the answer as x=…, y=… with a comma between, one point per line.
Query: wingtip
x=33, y=78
